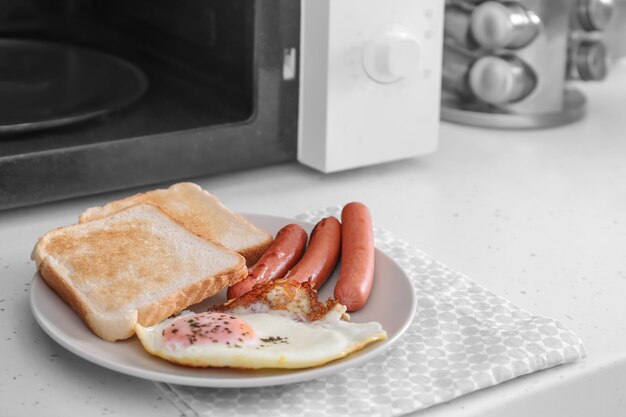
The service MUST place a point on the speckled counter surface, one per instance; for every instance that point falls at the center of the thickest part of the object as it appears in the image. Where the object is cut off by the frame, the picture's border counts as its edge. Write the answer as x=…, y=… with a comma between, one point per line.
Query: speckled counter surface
x=538, y=217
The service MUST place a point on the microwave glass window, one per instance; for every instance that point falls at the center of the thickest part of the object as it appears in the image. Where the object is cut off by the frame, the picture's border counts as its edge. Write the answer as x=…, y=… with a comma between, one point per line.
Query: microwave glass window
x=197, y=57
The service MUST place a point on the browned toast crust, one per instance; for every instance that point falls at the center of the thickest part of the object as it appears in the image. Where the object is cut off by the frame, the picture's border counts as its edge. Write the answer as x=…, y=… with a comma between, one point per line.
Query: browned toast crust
x=104, y=311
x=193, y=217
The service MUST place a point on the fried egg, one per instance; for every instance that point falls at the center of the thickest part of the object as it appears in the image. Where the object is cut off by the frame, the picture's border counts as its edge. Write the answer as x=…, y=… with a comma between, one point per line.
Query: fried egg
x=280, y=325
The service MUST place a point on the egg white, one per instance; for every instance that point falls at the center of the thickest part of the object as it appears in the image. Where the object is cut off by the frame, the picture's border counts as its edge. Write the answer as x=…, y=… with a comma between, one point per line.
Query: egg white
x=281, y=342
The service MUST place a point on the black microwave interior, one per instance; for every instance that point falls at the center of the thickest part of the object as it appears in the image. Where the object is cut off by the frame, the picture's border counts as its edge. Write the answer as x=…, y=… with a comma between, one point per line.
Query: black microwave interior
x=216, y=90
x=197, y=57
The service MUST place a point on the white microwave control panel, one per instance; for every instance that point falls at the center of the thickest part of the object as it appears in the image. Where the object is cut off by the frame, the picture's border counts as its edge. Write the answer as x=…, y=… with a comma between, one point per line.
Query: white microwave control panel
x=370, y=81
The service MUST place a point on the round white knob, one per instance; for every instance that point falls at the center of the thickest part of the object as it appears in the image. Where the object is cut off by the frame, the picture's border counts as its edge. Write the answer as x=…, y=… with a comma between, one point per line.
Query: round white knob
x=392, y=55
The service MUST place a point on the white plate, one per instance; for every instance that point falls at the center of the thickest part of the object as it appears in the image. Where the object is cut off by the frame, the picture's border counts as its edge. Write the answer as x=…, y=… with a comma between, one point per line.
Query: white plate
x=392, y=303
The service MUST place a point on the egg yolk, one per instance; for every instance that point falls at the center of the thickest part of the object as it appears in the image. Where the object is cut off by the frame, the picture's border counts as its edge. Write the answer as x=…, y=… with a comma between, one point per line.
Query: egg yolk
x=208, y=328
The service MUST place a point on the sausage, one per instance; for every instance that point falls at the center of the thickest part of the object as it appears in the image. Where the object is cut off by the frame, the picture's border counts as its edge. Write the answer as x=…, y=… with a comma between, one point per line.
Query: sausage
x=356, y=273
x=284, y=252
x=321, y=256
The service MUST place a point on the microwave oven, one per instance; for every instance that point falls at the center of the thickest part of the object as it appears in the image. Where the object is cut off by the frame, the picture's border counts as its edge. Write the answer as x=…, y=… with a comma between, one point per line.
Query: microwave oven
x=101, y=95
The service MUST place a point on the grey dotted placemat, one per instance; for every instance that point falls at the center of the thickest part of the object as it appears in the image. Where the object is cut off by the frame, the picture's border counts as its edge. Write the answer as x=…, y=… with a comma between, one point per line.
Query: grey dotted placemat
x=463, y=338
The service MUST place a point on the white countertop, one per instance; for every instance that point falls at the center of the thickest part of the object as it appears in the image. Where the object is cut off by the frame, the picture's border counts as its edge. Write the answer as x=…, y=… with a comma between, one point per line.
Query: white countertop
x=538, y=217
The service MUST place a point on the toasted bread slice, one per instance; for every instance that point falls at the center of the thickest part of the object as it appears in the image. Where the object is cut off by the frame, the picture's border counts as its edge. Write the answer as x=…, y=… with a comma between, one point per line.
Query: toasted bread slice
x=135, y=266
x=200, y=212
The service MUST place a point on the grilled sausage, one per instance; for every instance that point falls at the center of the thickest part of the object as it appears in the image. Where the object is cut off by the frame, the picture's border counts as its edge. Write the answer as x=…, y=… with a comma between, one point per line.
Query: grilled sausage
x=356, y=273
x=321, y=256
x=284, y=252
